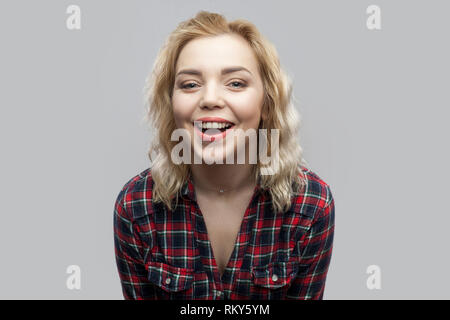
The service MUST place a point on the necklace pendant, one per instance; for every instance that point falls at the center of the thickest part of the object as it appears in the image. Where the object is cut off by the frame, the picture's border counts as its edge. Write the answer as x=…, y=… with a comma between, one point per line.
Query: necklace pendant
x=221, y=190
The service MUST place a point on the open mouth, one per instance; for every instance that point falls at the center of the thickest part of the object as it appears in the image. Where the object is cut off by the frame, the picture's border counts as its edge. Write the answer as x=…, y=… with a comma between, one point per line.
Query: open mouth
x=224, y=128
x=213, y=132
x=228, y=126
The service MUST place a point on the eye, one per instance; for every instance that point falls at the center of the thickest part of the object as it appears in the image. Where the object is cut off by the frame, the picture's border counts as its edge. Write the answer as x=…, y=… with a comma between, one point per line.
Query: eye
x=234, y=84
x=238, y=84
x=189, y=85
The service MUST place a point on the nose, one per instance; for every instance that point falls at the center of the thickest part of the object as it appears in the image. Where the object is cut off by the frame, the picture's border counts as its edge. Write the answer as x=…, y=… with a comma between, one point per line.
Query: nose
x=212, y=97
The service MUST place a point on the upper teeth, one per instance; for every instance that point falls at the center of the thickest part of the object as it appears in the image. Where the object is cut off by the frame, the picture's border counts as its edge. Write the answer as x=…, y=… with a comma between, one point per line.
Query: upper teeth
x=214, y=125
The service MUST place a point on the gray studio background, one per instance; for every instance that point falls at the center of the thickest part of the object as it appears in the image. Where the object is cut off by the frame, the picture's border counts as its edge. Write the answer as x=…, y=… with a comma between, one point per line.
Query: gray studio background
x=374, y=107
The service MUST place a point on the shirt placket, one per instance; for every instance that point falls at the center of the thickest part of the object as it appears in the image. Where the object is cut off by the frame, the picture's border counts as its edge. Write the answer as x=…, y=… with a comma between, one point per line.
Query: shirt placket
x=206, y=254
x=229, y=276
x=225, y=282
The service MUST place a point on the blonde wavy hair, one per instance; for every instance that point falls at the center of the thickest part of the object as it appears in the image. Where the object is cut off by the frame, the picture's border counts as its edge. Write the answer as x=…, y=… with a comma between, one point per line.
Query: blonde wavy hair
x=289, y=180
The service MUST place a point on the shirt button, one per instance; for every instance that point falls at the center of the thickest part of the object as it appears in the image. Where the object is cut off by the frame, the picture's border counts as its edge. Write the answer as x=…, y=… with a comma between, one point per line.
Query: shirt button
x=274, y=278
x=167, y=280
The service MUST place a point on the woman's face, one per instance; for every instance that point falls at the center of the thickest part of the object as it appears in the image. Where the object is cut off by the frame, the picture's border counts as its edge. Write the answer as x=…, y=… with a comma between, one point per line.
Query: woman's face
x=217, y=77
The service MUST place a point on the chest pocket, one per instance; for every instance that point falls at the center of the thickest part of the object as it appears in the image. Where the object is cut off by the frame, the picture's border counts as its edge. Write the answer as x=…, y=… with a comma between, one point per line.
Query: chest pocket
x=169, y=278
x=272, y=281
x=174, y=283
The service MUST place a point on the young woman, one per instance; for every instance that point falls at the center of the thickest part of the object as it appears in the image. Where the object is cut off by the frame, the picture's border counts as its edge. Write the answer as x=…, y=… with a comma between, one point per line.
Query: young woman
x=214, y=229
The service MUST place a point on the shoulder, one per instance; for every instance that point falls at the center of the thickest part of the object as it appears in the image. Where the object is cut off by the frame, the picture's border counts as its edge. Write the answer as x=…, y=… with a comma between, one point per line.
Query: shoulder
x=316, y=196
x=136, y=195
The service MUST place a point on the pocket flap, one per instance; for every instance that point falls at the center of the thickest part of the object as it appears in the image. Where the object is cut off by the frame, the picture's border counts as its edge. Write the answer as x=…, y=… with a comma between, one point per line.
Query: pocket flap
x=274, y=275
x=169, y=278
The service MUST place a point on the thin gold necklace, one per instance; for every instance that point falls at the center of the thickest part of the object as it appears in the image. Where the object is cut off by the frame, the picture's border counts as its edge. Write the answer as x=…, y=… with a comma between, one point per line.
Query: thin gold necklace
x=221, y=190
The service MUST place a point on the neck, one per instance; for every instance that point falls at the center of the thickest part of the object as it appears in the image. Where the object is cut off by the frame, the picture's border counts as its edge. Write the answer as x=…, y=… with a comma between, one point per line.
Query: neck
x=230, y=178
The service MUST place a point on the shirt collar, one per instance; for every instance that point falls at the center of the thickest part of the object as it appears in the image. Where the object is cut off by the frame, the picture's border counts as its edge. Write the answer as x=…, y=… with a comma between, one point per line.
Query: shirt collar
x=187, y=190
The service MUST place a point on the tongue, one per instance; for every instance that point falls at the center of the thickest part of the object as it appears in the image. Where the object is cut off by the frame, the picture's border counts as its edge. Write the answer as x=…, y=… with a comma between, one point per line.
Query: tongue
x=212, y=131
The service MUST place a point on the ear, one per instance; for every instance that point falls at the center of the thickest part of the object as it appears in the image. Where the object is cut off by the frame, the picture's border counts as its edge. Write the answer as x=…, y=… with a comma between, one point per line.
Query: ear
x=264, y=115
x=264, y=111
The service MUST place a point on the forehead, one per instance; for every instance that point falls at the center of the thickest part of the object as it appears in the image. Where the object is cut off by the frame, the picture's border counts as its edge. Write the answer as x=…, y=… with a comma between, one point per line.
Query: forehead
x=217, y=51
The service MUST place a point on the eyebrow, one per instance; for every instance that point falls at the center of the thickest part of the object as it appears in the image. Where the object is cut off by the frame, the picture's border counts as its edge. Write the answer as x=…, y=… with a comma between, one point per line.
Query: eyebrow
x=223, y=72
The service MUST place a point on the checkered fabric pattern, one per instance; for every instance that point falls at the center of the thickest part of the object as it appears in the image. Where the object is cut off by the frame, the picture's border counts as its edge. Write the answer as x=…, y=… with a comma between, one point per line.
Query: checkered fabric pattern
x=166, y=254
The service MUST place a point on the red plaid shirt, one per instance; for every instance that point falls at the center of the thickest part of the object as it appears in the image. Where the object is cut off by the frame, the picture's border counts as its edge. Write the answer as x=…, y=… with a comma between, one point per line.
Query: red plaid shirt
x=163, y=254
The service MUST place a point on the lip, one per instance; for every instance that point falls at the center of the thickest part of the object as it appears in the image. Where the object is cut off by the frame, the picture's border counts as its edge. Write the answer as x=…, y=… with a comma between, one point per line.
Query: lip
x=212, y=137
x=213, y=119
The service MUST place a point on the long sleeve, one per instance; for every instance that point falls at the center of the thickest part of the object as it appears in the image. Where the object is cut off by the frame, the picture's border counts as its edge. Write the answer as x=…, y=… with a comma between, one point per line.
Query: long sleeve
x=128, y=252
x=316, y=249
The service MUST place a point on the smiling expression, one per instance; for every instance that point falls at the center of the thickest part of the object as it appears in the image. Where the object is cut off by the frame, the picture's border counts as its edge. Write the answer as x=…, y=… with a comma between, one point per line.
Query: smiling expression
x=217, y=80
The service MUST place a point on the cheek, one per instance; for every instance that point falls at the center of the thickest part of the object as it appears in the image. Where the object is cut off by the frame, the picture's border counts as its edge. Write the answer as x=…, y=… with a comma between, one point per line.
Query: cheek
x=248, y=111
x=182, y=110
